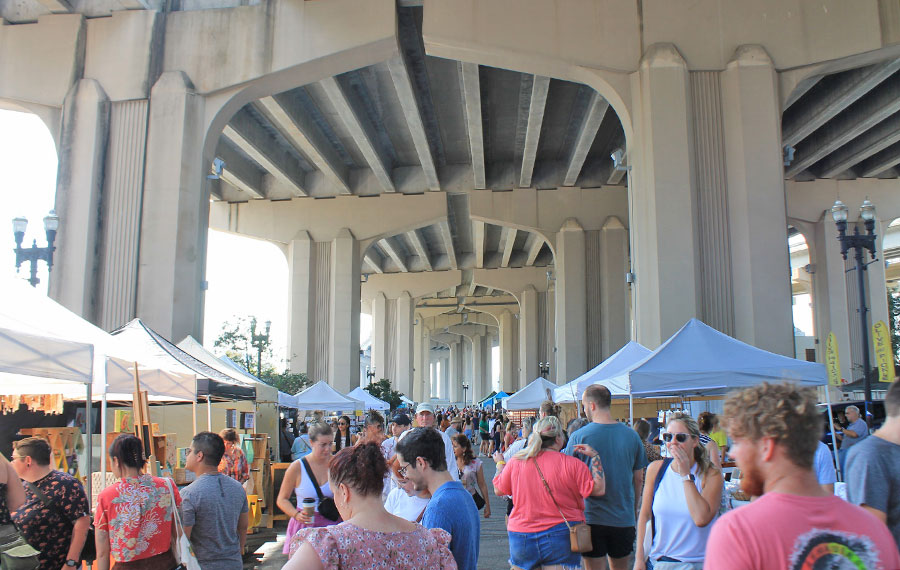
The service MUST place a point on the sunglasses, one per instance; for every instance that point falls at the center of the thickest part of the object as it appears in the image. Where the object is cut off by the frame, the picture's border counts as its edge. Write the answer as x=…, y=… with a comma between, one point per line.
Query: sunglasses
x=679, y=437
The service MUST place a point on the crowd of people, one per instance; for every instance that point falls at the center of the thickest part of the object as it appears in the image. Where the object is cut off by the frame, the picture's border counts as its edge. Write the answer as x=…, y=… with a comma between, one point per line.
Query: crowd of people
x=406, y=492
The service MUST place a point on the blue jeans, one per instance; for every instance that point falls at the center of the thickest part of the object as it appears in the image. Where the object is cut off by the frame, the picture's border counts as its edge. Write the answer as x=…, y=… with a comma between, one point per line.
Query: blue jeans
x=528, y=550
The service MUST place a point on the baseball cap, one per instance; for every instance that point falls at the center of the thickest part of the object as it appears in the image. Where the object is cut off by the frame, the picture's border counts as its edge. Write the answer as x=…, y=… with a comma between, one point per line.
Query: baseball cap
x=424, y=407
x=456, y=420
x=401, y=419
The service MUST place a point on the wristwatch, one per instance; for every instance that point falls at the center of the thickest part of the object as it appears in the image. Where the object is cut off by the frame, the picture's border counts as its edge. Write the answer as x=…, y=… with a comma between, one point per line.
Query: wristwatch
x=688, y=477
x=72, y=563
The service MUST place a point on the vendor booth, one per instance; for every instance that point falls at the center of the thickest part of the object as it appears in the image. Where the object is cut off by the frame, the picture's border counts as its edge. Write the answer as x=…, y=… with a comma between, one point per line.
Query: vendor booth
x=622, y=360
x=321, y=396
x=531, y=396
x=369, y=401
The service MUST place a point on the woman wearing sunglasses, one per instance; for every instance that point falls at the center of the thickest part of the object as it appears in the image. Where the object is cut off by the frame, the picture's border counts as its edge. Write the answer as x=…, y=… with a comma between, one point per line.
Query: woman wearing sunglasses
x=682, y=506
x=342, y=437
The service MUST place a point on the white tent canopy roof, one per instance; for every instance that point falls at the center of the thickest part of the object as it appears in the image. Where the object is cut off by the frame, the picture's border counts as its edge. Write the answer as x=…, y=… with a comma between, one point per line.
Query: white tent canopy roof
x=701, y=360
x=31, y=364
x=370, y=401
x=321, y=396
x=265, y=394
x=531, y=396
x=622, y=360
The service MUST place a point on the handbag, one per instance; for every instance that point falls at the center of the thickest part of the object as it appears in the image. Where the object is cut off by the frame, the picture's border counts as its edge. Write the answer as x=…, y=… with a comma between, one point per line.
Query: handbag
x=89, y=550
x=579, y=533
x=15, y=553
x=479, y=500
x=183, y=552
x=327, y=506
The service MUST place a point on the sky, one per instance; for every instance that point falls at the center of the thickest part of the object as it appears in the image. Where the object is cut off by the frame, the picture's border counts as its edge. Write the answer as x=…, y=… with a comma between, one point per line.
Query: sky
x=246, y=277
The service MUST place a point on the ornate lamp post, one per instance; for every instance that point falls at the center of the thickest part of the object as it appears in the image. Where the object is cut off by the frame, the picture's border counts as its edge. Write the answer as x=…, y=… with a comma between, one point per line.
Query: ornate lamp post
x=859, y=243
x=370, y=373
x=34, y=253
x=259, y=342
x=465, y=388
x=545, y=369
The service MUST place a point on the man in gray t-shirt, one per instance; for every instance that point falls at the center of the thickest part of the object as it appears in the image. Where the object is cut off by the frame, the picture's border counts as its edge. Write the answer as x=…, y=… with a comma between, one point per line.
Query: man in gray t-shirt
x=852, y=435
x=214, y=507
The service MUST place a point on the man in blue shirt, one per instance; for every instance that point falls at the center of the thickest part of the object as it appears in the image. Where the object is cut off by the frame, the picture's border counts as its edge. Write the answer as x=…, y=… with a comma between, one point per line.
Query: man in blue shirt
x=611, y=517
x=420, y=455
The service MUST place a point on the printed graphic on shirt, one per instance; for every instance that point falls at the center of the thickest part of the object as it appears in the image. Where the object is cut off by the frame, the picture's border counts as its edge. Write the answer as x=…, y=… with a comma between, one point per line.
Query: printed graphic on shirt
x=826, y=549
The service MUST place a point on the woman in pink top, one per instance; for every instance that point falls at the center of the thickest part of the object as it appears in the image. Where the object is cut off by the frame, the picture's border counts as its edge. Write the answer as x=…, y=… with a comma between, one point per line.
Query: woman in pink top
x=369, y=537
x=537, y=527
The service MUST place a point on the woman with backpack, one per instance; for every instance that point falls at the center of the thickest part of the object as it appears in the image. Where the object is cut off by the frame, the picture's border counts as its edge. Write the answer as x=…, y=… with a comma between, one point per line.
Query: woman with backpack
x=681, y=500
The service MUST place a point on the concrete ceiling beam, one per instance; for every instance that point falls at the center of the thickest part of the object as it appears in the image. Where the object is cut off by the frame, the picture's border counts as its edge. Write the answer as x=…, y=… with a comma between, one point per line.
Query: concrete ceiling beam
x=248, y=135
x=410, y=105
x=447, y=238
x=826, y=105
x=374, y=260
x=478, y=236
x=507, y=242
x=298, y=128
x=240, y=172
x=533, y=246
x=419, y=245
x=881, y=162
x=394, y=253
x=539, y=89
x=471, y=88
x=872, y=141
x=874, y=107
x=360, y=130
x=56, y=6
x=596, y=111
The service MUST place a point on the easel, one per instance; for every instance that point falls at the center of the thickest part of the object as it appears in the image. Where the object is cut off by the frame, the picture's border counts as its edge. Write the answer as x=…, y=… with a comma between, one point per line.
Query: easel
x=142, y=428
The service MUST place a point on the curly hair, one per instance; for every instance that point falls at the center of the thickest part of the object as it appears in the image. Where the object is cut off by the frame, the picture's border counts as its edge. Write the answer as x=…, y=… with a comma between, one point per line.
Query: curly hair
x=785, y=412
x=361, y=467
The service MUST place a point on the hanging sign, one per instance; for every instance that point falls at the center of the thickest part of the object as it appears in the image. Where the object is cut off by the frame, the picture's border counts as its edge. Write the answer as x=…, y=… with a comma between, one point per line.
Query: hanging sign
x=832, y=361
x=881, y=338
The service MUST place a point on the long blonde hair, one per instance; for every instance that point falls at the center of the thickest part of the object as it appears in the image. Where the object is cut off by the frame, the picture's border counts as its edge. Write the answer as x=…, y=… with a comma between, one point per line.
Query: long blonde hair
x=543, y=435
x=701, y=455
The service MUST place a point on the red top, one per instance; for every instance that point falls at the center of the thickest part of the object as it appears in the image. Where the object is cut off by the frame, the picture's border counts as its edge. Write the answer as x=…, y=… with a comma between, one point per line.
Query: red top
x=533, y=509
x=137, y=514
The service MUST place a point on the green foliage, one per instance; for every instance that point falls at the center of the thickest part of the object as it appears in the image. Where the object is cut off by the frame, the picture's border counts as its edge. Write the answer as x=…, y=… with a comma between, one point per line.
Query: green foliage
x=383, y=391
x=235, y=342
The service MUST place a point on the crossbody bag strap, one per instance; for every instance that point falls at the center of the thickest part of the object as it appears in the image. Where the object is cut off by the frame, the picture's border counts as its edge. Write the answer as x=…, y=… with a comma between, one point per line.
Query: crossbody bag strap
x=552, y=498
x=312, y=478
x=176, y=518
x=659, y=477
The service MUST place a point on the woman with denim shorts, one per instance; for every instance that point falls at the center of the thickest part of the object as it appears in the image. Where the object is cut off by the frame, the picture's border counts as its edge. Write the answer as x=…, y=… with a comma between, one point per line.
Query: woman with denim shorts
x=538, y=534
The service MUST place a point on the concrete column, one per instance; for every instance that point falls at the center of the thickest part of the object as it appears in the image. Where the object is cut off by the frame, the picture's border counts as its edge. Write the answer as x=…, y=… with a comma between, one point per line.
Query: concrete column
x=404, y=343
x=82, y=148
x=614, y=313
x=528, y=336
x=301, y=303
x=877, y=281
x=175, y=212
x=476, y=386
x=425, y=388
x=454, y=371
x=756, y=207
x=379, y=336
x=445, y=377
x=571, y=323
x=345, y=306
x=508, y=376
x=830, y=293
x=662, y=200
x=488, y=378
x=420, y=374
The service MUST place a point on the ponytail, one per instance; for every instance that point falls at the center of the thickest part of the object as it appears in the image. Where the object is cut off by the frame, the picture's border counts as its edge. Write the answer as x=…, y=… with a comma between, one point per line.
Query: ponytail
x=543, y=435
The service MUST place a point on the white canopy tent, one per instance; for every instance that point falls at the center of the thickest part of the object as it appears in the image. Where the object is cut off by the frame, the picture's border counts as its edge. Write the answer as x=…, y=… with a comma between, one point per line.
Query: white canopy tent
x=321, y=396
x=286, y=400
x=370, y=401
x=531, y=396
x=622, y=360
x=265, y=394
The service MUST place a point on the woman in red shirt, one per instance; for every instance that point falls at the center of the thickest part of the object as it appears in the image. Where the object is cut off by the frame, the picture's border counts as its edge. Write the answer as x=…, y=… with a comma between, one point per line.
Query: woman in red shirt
x=537, y=518
x=133, y=519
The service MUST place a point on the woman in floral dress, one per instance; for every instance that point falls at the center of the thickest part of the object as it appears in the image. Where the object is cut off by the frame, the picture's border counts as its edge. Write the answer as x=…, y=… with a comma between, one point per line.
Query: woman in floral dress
x=369, y=537
x=133, y=519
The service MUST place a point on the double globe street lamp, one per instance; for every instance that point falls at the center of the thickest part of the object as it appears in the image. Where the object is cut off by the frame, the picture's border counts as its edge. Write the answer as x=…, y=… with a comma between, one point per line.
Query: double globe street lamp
x=859, y=243
x=34, y=253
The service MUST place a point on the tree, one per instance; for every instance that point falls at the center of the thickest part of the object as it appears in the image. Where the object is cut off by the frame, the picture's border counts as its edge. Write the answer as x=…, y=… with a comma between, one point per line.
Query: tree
x=235, y=342
x=383, y=391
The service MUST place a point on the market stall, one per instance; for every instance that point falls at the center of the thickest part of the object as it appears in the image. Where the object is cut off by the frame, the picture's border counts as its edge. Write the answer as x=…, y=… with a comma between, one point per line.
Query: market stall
x=622, y=360
x=321, y=396
x=369, y=401
x=531, y=396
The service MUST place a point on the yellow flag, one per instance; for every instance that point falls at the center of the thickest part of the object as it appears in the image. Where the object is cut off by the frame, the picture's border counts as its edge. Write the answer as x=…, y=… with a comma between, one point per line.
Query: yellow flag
x=881, y=338
x=832, y=361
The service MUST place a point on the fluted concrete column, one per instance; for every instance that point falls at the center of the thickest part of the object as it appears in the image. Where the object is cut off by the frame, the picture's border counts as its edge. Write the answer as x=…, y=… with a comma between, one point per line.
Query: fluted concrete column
x=175, y=212
x=404, y=315
x=301, y=303
x=476, y=386
x=345, y=306
x=488, y=379
x=454, y=371
x=508, y=328
x=877, y=285
x=756, y=207
x=528, y=336
x=420, y=373
x=83, y=140
x=830, y=294
x=445, y=378
x=662, y=213
x=614, y=313
x=379, y=335
x=571, y=323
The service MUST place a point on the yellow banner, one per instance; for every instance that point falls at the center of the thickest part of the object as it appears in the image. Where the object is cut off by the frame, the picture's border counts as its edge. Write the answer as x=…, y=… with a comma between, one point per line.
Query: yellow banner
x=884, y=357
x=832, y=361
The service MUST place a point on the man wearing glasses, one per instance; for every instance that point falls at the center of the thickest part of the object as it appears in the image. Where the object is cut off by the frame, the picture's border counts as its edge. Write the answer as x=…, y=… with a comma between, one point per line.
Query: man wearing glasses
x=421, y=460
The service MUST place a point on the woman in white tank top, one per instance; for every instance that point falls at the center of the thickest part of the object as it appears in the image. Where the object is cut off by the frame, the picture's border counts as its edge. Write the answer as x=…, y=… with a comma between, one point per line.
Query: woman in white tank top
x=681, y=511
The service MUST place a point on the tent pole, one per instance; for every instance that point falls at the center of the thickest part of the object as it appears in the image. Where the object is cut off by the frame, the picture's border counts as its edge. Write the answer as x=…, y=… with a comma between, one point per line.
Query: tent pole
x=208, y=413
x=194, y=406
x=837, y=463
x=103, y=431
x=90, y=441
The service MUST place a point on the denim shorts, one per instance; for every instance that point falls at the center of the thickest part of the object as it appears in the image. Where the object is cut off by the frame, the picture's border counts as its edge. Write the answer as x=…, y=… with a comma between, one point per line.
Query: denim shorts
x=528, y=550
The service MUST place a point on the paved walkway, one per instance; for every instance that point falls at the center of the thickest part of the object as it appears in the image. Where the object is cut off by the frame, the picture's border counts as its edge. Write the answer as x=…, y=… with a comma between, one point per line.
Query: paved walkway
x=494, y=553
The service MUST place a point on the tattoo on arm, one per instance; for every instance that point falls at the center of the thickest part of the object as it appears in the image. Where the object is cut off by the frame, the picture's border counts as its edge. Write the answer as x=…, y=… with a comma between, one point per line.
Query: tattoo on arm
x=596, y=467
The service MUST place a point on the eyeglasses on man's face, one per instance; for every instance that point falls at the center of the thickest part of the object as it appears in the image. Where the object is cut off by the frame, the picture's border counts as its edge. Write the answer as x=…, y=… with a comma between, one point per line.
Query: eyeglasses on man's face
x=402, y=470
x=679, y=437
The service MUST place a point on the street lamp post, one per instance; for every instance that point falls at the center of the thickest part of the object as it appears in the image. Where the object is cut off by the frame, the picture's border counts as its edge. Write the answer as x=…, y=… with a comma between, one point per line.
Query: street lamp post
x=859, y=243
x=545, y=369
x=465, y=388
x=34, y=253
x=259, y=342
x=370, y=373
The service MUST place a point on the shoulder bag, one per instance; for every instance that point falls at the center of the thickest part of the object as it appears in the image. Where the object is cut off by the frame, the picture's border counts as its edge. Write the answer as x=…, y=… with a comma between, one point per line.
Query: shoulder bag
x=327, y=507
x=579, y=533
x=89, y=550
x=650, y=529
x=15, y=553
x=184, y=553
